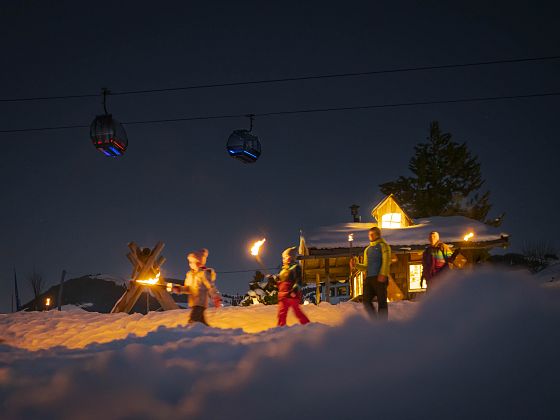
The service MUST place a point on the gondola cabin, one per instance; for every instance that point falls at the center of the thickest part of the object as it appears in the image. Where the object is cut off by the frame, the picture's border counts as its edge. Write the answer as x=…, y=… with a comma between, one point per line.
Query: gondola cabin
x=108, y=136
x=244, y=146
x=327, y=250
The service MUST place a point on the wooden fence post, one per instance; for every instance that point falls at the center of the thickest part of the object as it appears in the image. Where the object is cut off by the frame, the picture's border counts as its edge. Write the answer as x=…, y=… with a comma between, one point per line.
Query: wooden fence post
x=327, y=281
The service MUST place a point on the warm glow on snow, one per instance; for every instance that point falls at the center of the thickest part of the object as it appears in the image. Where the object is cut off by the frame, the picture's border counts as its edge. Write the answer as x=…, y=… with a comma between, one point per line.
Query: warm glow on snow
x=468, y=236
x=78, y=329
x=257, y=246
x=154, y=280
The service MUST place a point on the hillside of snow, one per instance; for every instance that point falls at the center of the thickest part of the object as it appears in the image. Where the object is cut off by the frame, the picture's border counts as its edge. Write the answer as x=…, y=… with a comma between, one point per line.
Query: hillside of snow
x=485, y=345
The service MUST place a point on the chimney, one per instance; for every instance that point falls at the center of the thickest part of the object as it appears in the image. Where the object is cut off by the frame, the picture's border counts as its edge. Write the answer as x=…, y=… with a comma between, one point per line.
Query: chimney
x=354, y=211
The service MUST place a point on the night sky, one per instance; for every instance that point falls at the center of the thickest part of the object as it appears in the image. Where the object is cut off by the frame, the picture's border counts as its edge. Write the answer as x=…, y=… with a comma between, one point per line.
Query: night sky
x=66, y=206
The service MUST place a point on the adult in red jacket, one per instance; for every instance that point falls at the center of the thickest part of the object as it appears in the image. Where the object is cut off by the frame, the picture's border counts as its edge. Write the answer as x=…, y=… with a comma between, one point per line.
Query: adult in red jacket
x=290, y=281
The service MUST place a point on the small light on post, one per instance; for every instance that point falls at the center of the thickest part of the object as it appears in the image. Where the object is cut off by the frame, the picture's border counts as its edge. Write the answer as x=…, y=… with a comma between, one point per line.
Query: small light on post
x=47, y=303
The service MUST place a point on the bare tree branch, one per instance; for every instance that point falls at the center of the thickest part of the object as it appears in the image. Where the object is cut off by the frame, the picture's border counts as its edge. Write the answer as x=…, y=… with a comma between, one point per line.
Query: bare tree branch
x=36, y=282
x=539, y=254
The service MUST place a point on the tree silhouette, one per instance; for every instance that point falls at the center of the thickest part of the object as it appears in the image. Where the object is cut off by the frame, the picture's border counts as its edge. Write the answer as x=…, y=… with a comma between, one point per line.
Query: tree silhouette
x=446, y=180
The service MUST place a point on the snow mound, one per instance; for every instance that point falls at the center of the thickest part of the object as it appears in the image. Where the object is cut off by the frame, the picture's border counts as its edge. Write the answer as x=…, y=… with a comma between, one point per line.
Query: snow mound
x=484, y=345
x=75, y=308
x=550, y=276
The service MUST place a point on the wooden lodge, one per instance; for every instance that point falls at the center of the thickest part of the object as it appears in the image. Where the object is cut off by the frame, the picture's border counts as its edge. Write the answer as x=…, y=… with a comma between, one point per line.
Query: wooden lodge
x=327, y=250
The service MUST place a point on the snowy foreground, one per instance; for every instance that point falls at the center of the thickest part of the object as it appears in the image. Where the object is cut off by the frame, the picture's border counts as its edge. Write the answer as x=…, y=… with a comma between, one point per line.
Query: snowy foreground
x=486, y=345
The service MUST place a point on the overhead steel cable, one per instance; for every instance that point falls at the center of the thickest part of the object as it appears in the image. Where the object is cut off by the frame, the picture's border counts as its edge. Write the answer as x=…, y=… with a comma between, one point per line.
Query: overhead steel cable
x=303, y=111
x=289, y=79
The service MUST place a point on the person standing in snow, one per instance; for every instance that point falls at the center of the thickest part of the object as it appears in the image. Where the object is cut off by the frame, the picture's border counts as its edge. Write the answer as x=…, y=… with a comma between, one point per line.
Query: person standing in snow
x=435, y=259
x=199, y=285
x=377, y=260
x=290, y=282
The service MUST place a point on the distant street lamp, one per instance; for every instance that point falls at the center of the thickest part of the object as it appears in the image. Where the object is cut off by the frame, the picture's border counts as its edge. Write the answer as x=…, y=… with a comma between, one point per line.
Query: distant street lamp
x=47, y=303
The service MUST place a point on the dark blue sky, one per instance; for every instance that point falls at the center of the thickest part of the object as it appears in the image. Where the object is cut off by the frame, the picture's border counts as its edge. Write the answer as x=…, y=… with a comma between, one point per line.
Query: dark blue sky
x=64, y=205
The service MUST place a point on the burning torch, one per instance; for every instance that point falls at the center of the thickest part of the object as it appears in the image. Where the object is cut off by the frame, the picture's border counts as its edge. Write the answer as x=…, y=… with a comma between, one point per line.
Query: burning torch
x=150, y=282
x=255, y=251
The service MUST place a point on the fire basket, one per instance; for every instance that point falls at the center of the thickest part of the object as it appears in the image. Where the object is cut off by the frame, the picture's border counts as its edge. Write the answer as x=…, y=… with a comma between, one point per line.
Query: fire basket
x=107, y=134
x=243, y=145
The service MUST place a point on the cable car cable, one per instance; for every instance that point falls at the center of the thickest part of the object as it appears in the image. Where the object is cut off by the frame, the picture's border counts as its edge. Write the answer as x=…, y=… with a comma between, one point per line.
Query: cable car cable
x=302, y=111
x=290, y=79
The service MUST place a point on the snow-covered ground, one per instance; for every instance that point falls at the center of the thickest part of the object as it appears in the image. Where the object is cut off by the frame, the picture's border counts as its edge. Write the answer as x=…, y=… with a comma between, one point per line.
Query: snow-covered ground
x=76, y=328
x=485, y=345
x=550, y=276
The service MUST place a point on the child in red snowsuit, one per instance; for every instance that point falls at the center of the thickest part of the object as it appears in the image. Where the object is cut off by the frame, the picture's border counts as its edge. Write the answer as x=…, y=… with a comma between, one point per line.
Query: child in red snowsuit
x=289, y=288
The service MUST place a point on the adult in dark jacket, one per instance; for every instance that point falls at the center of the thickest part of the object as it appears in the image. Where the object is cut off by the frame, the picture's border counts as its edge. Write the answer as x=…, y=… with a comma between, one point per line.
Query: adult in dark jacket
x=377, y=261
x=290, y=282
x=435, y=259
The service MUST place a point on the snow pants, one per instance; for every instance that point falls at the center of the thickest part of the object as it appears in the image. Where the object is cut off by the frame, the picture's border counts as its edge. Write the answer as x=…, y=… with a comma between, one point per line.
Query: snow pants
x=197, y=315
x=284, y=305
x=373, y=288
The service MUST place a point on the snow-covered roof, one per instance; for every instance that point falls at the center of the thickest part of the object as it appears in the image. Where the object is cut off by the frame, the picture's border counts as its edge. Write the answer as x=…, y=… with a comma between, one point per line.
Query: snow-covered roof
x=451, y=229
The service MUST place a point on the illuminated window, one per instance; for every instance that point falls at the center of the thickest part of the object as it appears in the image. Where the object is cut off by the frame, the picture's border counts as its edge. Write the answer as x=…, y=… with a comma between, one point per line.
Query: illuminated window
x=414, y=276
x=391, y=220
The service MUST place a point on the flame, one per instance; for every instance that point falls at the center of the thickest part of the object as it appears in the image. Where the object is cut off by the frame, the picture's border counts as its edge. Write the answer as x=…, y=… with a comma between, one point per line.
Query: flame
x=468, y=236
x=256, y=247
x=154, y=280
x=350, y=237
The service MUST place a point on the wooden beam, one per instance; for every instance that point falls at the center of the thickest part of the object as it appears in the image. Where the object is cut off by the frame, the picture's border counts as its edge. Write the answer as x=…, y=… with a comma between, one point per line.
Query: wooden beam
x=147, y=268
x=164, y=298
x=317, y=288
x=327, y=281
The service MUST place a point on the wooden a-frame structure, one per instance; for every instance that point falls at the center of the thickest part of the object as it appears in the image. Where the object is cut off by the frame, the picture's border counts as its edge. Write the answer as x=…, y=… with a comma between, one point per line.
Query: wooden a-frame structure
x=146, y=265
